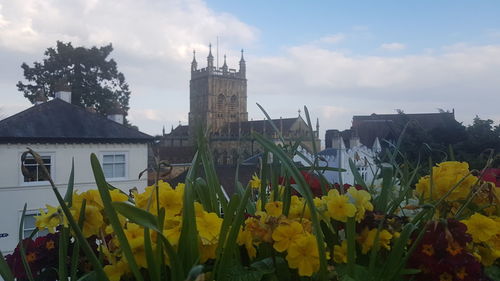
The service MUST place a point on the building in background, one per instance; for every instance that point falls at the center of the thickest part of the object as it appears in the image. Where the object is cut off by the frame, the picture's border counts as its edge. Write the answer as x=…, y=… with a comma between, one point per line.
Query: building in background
x=218, y=102
x=61, y=132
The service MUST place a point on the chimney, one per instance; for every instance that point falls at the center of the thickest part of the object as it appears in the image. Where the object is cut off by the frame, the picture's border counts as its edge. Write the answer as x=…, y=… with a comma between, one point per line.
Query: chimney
x=354, y=140
x=337, y=141
x=40, y=97
x=116, y=114
x=62, y=90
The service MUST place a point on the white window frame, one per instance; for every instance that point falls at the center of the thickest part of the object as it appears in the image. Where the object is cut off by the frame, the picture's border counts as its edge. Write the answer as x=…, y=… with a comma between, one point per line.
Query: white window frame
x=52, y=156
x=31, y=213
x=106, y=153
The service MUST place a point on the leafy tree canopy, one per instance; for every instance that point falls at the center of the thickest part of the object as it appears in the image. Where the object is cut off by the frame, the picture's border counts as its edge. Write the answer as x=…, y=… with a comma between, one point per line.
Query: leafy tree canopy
x=94, y=79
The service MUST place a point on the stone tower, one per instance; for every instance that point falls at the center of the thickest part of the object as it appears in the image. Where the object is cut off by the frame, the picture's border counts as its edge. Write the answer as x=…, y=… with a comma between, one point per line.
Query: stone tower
x=217, y=96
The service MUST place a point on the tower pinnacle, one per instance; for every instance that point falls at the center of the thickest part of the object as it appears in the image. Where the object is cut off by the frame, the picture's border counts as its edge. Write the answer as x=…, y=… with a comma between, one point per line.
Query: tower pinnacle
x=194, y=64
x=243, y=67
x=210, y=58
x=242, y=58
x=224, y=66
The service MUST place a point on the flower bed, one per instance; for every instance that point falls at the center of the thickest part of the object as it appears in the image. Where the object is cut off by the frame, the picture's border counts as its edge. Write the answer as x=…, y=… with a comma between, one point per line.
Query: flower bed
x=286, y=224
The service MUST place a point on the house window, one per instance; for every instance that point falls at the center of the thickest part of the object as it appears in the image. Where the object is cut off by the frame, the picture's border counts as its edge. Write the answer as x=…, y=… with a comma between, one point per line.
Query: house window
x=114, y=165
x=29, y=226
x=33, y=172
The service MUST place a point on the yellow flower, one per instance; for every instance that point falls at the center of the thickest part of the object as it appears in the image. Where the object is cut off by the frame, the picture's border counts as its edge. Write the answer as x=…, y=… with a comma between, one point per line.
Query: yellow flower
x=260, y=231
x=445, y=176
x=50, y=219
x=245, y=238
x=172, y=201
x=208, y=227
x=340, y=252
x=274, y=208
x=115, y=271
x=135, y=237
x=488, y=255
x=361, y=201
x=481, y=227
x=93, y=220
x=172, y=229
x=255, y=182
x=304, y=255
x=207, y=252
x=286, y=234
x=298, y=208
x=367, y=239
x=339, y=207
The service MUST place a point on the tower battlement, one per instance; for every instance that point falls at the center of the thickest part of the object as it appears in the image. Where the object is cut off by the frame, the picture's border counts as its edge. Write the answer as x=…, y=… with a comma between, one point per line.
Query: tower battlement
x=231, y=72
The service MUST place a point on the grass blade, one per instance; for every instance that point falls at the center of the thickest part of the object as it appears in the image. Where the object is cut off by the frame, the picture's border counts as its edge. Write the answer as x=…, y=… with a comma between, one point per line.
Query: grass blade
x=188, y=249
x=21, y=246
x=68, y=197
x=102, y=186
x=63, y=253
x=5, y=271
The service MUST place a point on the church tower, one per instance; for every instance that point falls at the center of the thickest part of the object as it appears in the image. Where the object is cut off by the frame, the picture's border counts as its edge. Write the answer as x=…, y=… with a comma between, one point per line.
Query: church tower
x=217, y=96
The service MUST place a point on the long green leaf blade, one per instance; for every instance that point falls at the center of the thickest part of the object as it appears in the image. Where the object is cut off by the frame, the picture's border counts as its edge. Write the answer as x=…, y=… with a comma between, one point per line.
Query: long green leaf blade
x=22, y=250
x=5, y=271
x=102, y=186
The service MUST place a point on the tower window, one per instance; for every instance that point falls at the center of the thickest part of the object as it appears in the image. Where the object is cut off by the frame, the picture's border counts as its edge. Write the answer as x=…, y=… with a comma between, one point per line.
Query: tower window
x=221, y=100
x=233, y=102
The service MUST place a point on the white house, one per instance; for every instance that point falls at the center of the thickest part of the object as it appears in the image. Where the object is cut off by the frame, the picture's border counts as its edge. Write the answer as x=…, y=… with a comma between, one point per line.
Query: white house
x=60, y=132
x=338, y=156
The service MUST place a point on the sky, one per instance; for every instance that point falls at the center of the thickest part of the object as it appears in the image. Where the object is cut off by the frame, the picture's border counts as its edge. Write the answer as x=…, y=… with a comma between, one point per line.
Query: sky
x=338, y=58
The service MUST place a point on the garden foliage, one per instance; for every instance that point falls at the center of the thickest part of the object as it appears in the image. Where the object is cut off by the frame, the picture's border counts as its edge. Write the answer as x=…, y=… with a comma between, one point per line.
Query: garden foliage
x=287, y=223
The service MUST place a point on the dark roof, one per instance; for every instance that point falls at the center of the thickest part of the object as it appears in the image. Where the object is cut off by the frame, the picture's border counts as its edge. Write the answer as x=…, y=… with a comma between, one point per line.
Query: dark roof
x=390, y=126
x=177, y=154
x=59, y=121
x=180, y=131
x=226, y=175
x=259, y=126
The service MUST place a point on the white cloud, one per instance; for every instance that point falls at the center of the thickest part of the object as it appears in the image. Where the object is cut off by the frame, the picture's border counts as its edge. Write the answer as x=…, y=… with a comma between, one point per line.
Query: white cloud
x=461, y=77
x=332, y=39
x=153, y=41
x=393, y=46
x=143, y=28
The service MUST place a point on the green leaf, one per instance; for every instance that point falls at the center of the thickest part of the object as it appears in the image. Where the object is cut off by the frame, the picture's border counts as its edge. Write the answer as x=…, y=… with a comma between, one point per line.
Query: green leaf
x=255, y=272
x=136, y=215
x=21, y=246
x=91, y=276
x=382, y=200
x=112, y=216
x=229, y=246
x=266, y=266
x=153, y=266
x=493, y=272
x=63, y=253
x=5, y=272
x=211, y=176
x=68, y=197
x=351, y=246
x=188, y=240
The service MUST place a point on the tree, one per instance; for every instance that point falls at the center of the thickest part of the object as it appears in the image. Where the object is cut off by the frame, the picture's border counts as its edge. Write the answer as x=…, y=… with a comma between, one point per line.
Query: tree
x=94, y=79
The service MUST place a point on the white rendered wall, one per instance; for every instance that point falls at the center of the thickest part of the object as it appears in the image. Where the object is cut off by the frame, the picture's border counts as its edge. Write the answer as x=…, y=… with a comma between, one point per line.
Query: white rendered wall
x=14, y=193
